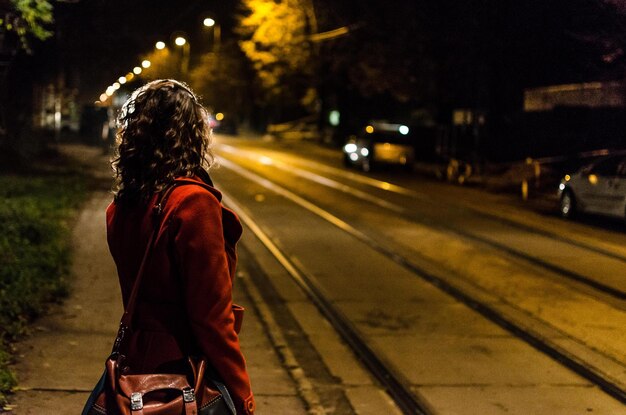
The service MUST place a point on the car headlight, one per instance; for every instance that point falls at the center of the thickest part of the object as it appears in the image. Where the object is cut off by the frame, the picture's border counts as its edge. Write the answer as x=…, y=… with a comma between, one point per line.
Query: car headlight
x=350, y=148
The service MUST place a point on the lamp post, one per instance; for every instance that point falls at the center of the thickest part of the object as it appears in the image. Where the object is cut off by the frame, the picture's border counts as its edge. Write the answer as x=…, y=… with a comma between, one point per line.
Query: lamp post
x=184, y=44
x=217, y=32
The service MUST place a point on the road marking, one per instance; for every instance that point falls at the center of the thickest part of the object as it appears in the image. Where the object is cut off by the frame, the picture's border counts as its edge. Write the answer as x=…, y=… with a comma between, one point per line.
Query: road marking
x=613, y=386
x=338, y=172
x=394, y=383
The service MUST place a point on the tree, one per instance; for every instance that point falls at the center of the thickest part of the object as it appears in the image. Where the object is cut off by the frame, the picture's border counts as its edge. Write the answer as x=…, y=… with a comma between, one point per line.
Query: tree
x=221, y=79
x=21, y=22
x=164, y=63
x=275, y=40
x=26, y=18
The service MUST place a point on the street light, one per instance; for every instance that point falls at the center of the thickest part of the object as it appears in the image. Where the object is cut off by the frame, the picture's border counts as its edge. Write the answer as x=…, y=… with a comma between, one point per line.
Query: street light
x=122, y=80
x=146, y=63
x=136, y=70
x=160, y=45
x=217, y=31
x=182, y=42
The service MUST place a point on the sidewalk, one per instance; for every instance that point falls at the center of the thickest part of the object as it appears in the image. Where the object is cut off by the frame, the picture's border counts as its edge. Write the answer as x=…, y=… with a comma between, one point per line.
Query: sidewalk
x=60, y=363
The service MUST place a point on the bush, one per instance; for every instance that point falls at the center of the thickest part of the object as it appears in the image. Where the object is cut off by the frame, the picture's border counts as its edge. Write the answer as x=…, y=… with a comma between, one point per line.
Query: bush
x=34, y=250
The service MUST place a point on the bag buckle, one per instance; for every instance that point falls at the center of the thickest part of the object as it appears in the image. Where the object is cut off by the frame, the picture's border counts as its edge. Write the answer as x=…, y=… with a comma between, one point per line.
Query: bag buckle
x=188, y=395
x=136, y=401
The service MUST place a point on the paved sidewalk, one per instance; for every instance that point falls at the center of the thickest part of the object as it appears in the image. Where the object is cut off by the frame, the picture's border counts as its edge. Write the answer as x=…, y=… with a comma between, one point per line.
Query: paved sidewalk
x=60, y=363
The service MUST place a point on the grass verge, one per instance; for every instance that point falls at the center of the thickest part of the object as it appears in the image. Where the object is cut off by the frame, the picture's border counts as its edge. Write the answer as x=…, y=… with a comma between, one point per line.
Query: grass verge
x=36, y=211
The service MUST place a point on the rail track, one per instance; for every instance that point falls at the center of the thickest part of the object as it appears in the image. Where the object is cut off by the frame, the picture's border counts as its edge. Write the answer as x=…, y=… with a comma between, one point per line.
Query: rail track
x=612, y=291
x=394, y=382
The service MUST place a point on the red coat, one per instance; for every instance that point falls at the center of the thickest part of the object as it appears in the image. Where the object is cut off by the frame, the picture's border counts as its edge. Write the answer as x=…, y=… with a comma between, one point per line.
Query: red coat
x=184, y=304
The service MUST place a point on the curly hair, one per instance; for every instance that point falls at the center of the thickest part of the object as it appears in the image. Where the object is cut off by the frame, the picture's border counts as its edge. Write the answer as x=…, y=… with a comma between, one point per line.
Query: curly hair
x=163, y=133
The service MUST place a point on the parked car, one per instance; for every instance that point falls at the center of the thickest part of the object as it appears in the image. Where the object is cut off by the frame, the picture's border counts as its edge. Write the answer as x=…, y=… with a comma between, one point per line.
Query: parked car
x=380, y=143
x=598, y=188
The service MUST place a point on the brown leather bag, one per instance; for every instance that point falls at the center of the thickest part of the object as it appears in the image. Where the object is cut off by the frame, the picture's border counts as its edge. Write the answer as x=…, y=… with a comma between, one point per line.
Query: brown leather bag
x=197, y=392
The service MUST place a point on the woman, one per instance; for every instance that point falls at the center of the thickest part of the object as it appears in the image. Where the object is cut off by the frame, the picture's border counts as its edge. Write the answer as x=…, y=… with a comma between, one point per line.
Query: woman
x=184, y=306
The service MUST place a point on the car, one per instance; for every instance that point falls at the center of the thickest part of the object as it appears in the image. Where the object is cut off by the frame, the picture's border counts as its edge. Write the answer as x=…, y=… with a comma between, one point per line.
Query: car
x=599, y=188
x=380, y=143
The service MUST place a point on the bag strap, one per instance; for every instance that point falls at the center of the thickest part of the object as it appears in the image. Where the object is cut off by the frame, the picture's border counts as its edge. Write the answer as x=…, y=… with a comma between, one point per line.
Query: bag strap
x=157, y=210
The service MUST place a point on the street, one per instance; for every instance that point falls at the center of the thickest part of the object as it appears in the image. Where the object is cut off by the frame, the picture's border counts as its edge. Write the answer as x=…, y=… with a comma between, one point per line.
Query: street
x=473, y=304
x=374, y=293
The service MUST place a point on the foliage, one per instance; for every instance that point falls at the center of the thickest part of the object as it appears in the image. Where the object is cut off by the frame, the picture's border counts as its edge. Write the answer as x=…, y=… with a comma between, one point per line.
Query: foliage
x=220, y=78
x=34, y=250
x=275, y=41
x=29, y=18
x=164, y=64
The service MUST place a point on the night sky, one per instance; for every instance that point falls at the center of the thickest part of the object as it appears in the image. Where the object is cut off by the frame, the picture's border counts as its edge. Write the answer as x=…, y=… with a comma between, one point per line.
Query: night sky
x=101, y=40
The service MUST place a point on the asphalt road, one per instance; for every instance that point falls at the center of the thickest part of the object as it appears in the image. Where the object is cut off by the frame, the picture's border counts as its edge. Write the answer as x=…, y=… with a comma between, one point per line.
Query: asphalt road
x=475, y=303
x=471, y=302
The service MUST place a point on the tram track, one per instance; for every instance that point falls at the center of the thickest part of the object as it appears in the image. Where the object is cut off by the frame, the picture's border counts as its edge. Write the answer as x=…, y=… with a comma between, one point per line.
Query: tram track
x=397, y=386
x=394, y=383
x=569, y=274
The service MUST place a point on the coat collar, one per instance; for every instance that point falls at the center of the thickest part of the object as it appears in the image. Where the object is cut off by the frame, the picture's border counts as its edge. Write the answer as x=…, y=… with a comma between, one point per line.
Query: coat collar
x=202, y=179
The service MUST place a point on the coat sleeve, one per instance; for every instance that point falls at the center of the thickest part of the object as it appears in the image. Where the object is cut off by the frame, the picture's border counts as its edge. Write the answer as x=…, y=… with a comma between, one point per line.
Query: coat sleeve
x=203, y=263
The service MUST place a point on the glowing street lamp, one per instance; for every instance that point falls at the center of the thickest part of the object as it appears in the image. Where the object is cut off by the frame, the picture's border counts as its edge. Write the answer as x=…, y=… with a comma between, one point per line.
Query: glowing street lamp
x=146, y=64
x=160, y=45
x=217, y=31
x=136, y=70
x=121, y=80
x=182, y=42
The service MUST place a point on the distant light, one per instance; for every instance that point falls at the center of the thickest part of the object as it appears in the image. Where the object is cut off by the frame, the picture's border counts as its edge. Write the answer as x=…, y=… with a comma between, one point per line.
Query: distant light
x=266, y=160
x=333, y=118
x=180, y=41
x=146, y=63
x=109, y=92
x=403, y=129
x=219, y=116
x=365, y=152
x=122, y=80
x=129, y=76
x=354, y=156
x=350, y=148
x=116, y=86
x=160, y=45
x=103, y=97
x=137, y=70
x=561, y=186
x=369, y=129
x=567, y=177
x=208, y=22
x=593, y=179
